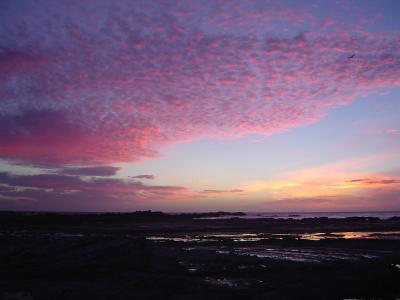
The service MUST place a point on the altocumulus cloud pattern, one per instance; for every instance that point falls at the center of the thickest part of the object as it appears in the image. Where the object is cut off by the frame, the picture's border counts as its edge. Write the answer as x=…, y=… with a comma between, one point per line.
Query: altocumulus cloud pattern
x=115, y=82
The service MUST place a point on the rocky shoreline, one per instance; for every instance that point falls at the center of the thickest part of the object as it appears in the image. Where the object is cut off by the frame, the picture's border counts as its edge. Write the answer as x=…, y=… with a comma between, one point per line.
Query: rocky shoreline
x=181, y=257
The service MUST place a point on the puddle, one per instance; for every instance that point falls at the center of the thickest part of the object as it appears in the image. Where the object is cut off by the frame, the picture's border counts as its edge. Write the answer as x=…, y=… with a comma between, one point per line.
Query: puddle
x=382, y=235
x=257, y=237
x=236, y=237
x=221, y=282
x=303, y=254
x=173, y=239
x=240, y=245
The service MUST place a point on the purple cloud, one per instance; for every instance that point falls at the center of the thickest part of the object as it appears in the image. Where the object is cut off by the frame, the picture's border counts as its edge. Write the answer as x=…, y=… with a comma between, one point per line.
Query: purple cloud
x=65, y=192
x=117, y=84
x=368, y=181
x=151, y=177
x=357, y=180
x=383, y=181
x=92, y=171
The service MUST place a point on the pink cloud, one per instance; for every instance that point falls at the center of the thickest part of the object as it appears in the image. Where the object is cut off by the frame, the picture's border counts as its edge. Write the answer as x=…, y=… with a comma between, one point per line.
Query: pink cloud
x=118, y=84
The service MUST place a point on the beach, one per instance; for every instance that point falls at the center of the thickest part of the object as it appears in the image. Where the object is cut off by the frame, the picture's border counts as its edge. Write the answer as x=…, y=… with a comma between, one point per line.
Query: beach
x=149, y=255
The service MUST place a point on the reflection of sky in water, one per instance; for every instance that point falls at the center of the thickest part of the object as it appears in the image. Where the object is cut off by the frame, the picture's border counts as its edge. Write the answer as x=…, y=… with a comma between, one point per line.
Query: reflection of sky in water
x=303, y=254
x=304, y=215
x=382, y=235
x=256, y=237
x=238, y=245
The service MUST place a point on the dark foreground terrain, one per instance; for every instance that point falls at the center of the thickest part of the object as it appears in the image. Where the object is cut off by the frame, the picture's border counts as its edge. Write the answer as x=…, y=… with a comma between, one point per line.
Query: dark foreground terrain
x=148, y=255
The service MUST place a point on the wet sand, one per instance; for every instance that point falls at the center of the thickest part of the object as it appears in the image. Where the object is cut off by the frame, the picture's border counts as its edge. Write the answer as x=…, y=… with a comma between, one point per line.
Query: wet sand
x=157, y=256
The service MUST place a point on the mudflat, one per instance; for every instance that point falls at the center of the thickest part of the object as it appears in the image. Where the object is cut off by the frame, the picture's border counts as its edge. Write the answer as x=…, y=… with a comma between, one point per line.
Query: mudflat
x=151, y=255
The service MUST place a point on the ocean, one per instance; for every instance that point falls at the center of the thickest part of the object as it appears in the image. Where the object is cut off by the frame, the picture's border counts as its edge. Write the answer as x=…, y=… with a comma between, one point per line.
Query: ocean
x=302, y=215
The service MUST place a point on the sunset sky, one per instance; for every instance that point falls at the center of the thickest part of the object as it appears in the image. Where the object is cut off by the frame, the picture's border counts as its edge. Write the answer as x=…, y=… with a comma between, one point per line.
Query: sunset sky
x=199, y=105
